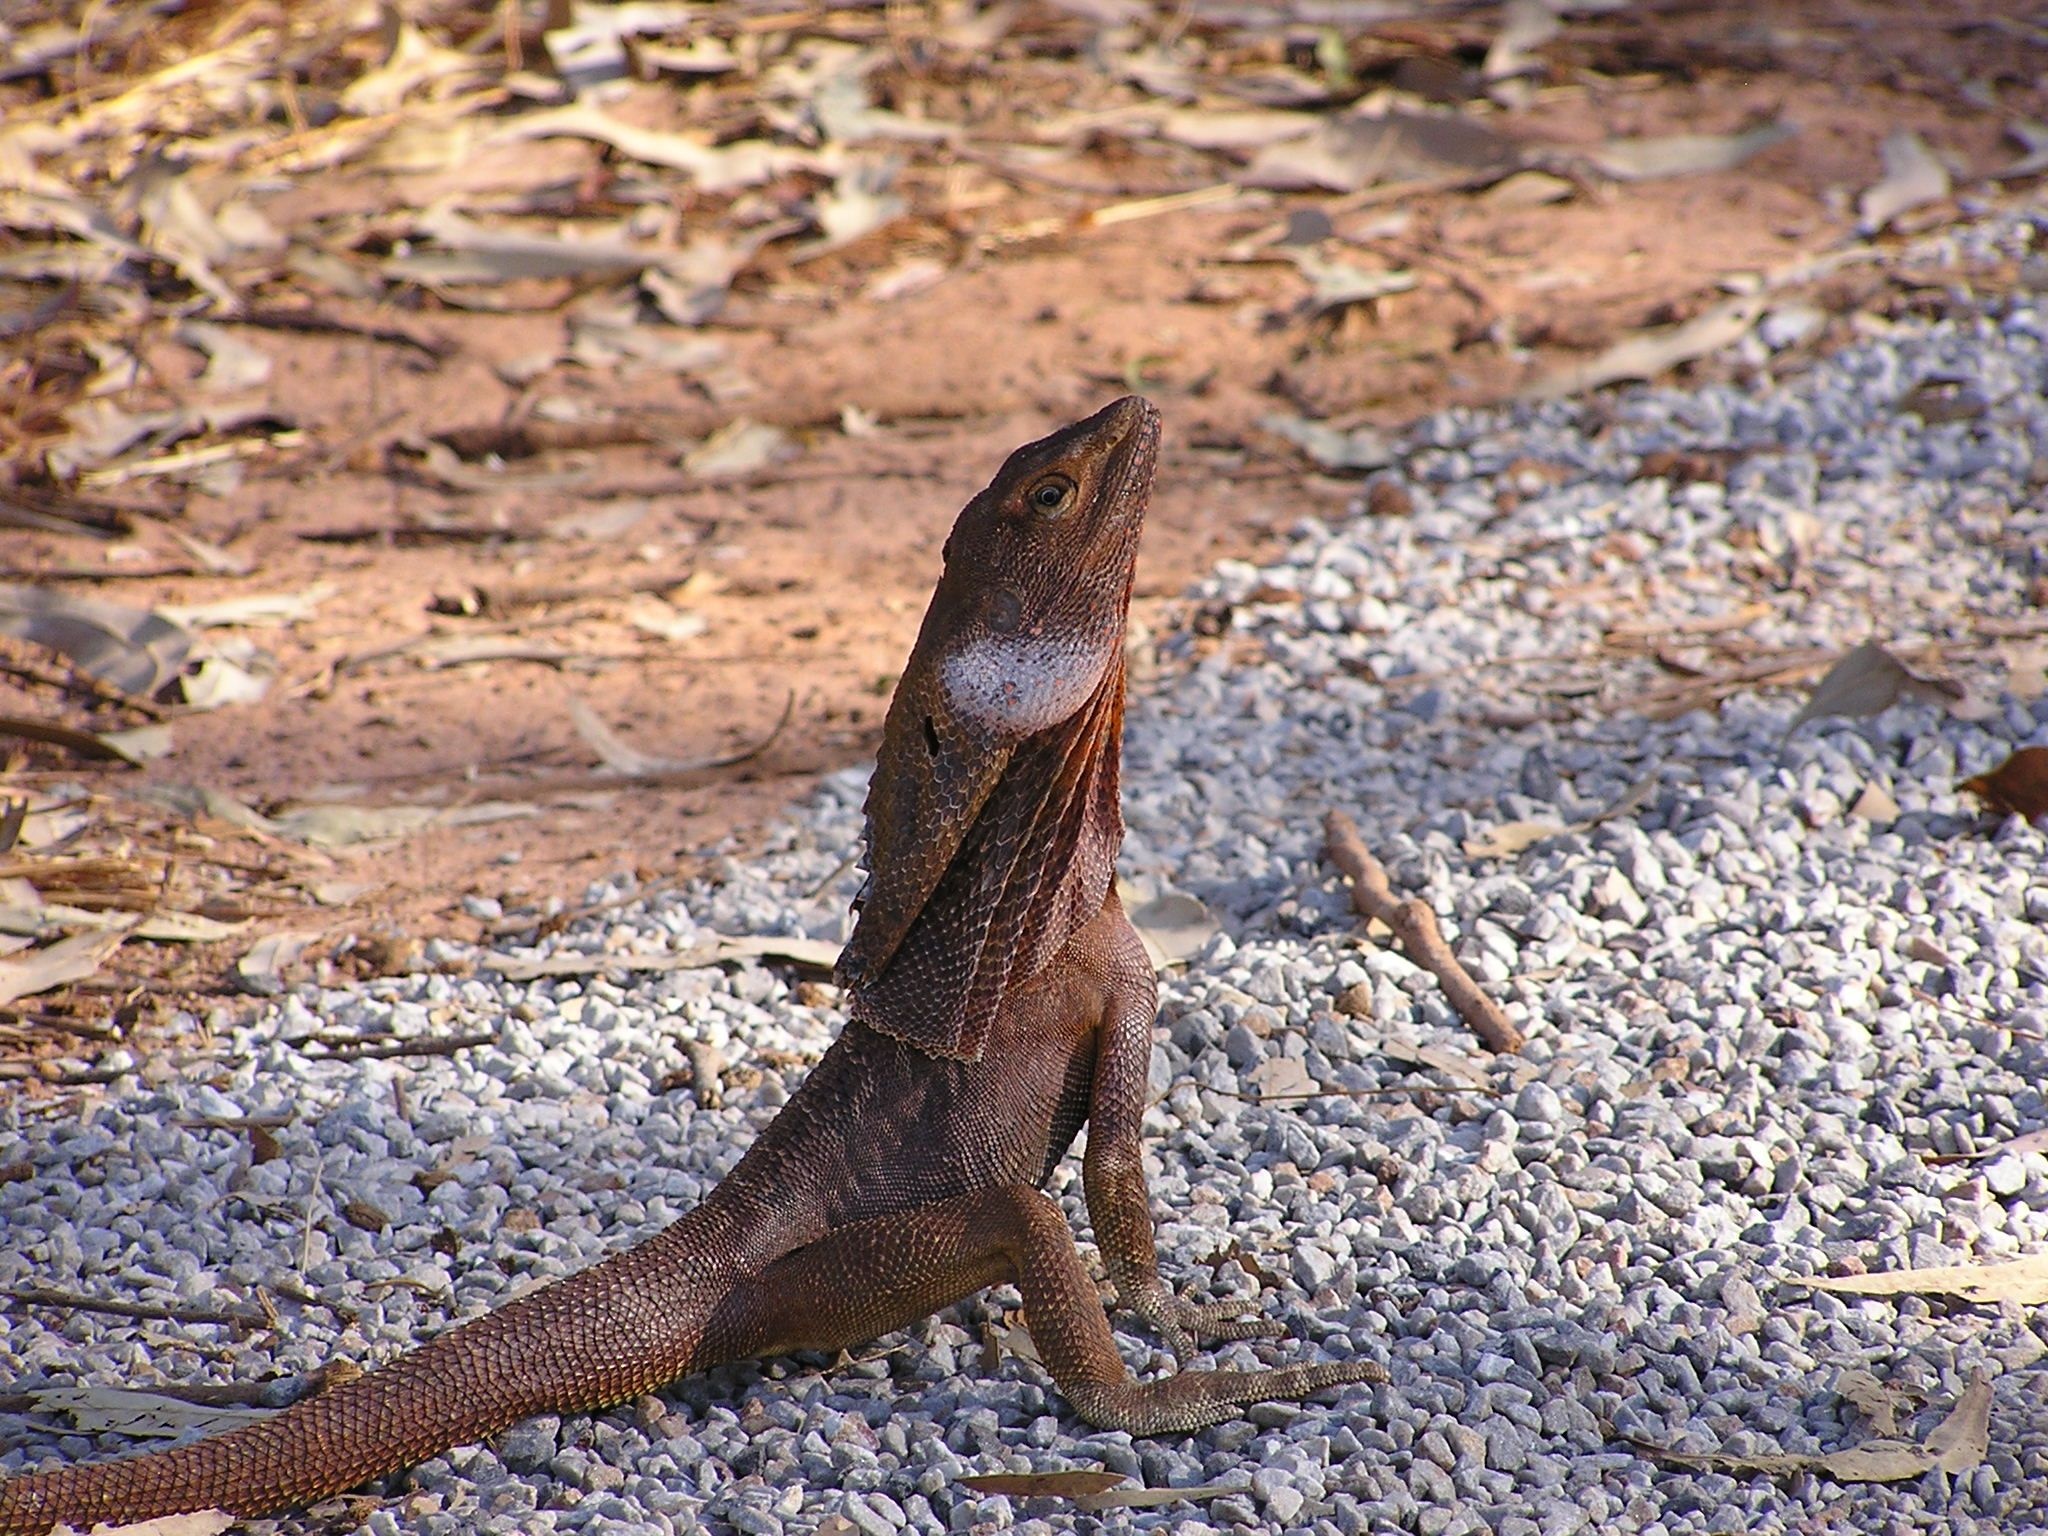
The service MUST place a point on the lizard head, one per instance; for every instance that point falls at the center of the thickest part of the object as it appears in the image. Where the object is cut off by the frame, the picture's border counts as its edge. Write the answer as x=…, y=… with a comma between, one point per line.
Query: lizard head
x=992, y=817
x=1038, y=573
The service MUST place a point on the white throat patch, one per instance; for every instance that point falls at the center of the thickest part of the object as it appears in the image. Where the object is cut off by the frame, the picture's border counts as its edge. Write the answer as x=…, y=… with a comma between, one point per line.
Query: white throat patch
x=1021, y=683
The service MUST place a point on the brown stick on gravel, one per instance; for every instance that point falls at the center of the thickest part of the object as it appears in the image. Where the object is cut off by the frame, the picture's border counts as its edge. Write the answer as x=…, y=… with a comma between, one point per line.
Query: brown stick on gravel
x=1414, y=924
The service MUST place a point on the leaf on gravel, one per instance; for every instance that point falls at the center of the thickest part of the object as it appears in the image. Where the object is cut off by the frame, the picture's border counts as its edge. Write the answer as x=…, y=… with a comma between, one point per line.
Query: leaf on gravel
x=1875, y=804
x=2016, y=787
x=1685, y=154
x=1867, y=681
x=816, y=954
x=1649, y=353
x=1282, y=1077
x=139, y=1414
x=1044, y=1485
x=1876, y=1401
x=1345, y=453
x=204, y=1522
x=1913, y=177
x=133, y=649
x=271, y=956
x=2018, y=1280
x=1962, y=1440
x=59, y=964
x=1466, y=1071
x=1956, y=1445
x=1511, y=837
x=1351, y=153
x=1175, y=926
x=739, y=448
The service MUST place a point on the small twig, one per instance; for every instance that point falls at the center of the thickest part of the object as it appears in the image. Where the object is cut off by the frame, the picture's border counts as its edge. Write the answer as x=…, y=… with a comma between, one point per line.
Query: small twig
x=357, y=1048
x=1415, y=925
x=232, y=1317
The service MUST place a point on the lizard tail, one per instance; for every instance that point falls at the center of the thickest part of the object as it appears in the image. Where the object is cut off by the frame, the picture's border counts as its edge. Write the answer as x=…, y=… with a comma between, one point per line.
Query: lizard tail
x=624, y=1327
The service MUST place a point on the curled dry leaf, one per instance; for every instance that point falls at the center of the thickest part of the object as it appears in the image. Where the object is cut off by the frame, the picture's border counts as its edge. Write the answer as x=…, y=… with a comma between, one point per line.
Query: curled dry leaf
x=1175, y=927
x=139, y=1414
x=2016, y=787
x=1350, y=153
x=2019, y=1280
x=738, y=448
x=59, y=964
x=1868, y=681
x=1353, y=452
x=1956, y=1445
x=1649, y=353
x=133, y=649
x=1685, y=154
x=1913, y=176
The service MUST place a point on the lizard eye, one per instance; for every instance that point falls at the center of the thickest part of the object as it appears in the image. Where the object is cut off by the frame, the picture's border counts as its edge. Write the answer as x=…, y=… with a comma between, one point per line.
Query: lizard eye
x=1052, y=496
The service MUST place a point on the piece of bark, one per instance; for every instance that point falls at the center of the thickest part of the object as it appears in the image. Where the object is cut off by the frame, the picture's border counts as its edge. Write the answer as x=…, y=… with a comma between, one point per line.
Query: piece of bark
x=1415, y=925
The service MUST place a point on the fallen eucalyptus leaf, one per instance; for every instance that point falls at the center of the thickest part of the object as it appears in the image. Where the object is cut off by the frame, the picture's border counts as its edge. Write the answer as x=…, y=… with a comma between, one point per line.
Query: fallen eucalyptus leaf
x=1867, y=681
x=132, y=649
x=139, y=1414
x=2016, y=787
x=1511, y=837
x=1650, y=353
x=1342, y=452
x=2024, y=1281
x=1350, y=153
x=738, y=448
x=1913, y=177
x=1339, y=284
x=1685, y=154
x=59, y=964
x=1175, y=927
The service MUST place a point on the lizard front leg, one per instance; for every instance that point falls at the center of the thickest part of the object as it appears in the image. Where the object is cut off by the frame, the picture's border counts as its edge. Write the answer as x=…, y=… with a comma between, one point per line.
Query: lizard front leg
x=872, y=1276
x=1113, y=1172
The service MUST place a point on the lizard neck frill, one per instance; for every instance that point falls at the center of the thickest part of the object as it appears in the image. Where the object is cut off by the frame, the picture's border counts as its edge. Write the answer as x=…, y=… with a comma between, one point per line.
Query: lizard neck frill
x=1034, y=867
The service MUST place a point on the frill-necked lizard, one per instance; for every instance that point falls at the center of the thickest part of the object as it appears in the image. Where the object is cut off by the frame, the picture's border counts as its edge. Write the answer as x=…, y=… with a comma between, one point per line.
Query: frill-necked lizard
x=999, y=999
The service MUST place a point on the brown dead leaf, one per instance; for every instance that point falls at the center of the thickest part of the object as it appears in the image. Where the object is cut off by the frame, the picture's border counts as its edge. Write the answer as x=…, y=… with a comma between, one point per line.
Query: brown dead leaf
x=1867, y=681
x=1072, y=1484
x=1686, y=154
x=1875, y=1400
x=1649, y=353
x=132, y=649
x=1349, y=153
x=2016, y=787
x=1511, y=837
x=1913, y=176
x=1956, y=1445
x=2024, y=1281
x=1282, y=1077
x=59, y=964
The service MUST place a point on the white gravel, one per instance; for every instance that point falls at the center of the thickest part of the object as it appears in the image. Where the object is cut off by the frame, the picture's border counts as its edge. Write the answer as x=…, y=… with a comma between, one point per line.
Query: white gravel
x=1755, y=1013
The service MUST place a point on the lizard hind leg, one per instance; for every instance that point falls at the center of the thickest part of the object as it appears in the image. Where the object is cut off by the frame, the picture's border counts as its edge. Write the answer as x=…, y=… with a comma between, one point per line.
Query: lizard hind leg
x=869, y=1277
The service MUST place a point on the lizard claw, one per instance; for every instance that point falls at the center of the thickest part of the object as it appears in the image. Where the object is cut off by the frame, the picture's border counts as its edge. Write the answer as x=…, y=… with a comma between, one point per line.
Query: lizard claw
x=1185, y=1325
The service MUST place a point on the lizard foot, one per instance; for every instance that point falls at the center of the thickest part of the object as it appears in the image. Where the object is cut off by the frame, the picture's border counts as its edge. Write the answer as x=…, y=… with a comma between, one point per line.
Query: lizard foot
x=1191, y=1400
x=1185, y=1325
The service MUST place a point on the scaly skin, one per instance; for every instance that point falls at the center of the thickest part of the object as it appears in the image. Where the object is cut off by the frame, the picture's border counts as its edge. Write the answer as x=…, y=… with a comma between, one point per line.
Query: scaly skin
x=999, y=998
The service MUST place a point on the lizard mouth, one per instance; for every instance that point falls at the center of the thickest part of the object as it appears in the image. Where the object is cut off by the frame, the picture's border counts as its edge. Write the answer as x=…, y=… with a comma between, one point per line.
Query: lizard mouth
x=1133, y=426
